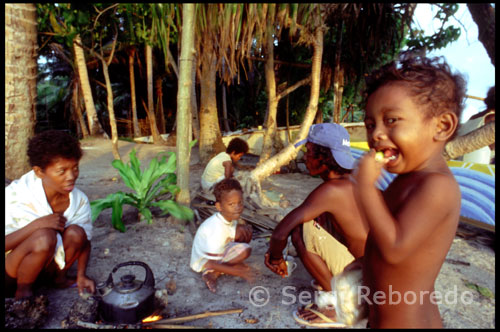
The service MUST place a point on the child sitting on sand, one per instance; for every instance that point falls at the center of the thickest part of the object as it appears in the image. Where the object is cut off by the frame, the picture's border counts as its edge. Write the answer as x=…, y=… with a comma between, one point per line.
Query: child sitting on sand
x=48, y=222
x=412, y=111
x=222, y=165
x=221, y=244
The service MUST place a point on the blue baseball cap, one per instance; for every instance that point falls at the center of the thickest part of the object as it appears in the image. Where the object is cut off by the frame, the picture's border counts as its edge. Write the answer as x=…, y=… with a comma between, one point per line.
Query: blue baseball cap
x=335, y=137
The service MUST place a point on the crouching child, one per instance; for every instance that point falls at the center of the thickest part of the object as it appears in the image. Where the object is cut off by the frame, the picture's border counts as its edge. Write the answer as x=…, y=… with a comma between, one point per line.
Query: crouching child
x=221, y=244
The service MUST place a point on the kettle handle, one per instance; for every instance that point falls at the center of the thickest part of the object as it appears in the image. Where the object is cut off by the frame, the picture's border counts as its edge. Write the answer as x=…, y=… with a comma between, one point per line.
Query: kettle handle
x=149, y=280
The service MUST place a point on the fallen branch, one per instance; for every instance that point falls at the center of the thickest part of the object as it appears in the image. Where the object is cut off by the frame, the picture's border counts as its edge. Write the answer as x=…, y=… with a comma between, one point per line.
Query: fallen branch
x=196, y=316
x=175, y=327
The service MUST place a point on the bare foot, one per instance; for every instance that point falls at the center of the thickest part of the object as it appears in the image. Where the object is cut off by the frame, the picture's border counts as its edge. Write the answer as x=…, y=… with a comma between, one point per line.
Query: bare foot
x=24, y=291
x=210, y=279
x=244, y=271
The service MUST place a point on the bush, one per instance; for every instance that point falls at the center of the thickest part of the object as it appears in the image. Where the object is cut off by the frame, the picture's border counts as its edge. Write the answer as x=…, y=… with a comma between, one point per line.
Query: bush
x=157, y=180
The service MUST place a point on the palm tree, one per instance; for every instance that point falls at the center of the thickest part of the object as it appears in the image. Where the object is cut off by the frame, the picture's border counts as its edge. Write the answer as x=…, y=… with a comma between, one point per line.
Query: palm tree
x=206, y=35
x=77, y=109
x=313, y=33
x=59, y=22
x=20, y=85
x=472, y=141
x=184, y=102
x=277, y=21
x=111, y=110
x=135, y=121
x=157, y=139
x=95, y=127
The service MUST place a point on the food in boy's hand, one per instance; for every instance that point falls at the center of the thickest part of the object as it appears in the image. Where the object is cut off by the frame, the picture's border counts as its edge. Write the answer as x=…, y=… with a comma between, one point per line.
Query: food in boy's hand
x=379, y=156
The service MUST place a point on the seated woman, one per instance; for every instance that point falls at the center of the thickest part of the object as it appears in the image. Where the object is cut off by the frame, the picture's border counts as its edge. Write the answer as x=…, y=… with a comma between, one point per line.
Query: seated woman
x=48, y=223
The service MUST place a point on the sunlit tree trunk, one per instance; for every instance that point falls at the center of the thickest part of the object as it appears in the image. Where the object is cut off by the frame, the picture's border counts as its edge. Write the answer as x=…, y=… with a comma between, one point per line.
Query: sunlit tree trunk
x=95, y=128
x=210, y=134
x=470, y=142
x=272, y=103
x=111, y=111
x=184, y=102
x=252, y=183
x=157, y=139
x=78, y=111
x=194, y=105
x=135, y=120
x=20, y=85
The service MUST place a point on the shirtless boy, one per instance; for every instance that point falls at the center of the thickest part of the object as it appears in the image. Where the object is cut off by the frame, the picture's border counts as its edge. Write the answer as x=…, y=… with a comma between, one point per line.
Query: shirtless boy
x=412, y=110
x=327, y=229
x=48, y=223
x=221, y=244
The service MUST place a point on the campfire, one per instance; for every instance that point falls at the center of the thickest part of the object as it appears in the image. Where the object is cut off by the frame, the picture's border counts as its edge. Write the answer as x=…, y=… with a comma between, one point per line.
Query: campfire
x=151, y=319
x=156, y=321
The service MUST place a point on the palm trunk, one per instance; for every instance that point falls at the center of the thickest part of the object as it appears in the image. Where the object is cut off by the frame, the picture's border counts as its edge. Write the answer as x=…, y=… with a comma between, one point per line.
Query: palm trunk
x=78, y=111
x=159, y=105
x=157, y=139
x=135, y=120
x=252, y=184
x=95, y=128
x=210, y=135
x=338, y=92
x=470, y=142
x=184, y=103
x=338, y=77
x=194, y=105
x=20, y=85
x=111, y=112
x=224, y=108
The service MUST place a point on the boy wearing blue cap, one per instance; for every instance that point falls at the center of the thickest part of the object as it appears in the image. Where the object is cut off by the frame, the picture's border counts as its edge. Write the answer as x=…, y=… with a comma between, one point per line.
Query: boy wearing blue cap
x=327, y=228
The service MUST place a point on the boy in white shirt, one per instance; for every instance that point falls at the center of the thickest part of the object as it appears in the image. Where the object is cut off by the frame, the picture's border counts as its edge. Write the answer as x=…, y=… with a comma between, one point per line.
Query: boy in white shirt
x=221, y=244
x=222, y=165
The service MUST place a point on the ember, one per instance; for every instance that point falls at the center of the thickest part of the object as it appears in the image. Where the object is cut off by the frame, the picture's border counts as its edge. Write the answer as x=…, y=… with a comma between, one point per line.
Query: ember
x=152, y=318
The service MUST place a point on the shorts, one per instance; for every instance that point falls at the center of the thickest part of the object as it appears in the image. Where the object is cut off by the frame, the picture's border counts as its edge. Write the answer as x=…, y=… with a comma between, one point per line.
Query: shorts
x=208, y=187
x=233, y=250
x=320, y=242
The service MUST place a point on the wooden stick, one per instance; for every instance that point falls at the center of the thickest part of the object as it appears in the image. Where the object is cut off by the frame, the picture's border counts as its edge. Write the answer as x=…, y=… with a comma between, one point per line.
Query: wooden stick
x=173, y=326
x=262, y=235
x=196, y=316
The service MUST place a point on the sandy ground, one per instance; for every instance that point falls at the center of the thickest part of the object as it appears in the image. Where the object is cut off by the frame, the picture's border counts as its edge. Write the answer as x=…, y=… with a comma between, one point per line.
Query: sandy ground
x=166, y=248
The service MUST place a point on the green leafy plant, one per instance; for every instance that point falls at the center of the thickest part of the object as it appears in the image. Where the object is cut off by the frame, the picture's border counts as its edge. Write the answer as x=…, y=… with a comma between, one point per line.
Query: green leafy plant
x=156, y=180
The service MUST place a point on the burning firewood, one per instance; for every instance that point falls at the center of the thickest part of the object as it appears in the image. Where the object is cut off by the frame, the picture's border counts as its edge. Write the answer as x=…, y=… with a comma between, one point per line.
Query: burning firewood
x=161, y=323
x=198, y=316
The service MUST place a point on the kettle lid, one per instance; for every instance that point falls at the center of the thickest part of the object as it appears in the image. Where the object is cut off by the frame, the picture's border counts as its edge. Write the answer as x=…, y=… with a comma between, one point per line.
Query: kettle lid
x=128, y=284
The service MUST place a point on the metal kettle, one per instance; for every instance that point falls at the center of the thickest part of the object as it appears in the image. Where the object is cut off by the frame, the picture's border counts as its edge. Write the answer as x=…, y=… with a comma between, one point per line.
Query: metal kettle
x=129, y=300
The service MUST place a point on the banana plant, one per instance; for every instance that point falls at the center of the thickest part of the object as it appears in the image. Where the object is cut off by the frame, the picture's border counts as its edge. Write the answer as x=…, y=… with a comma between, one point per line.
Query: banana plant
x=156, y=180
